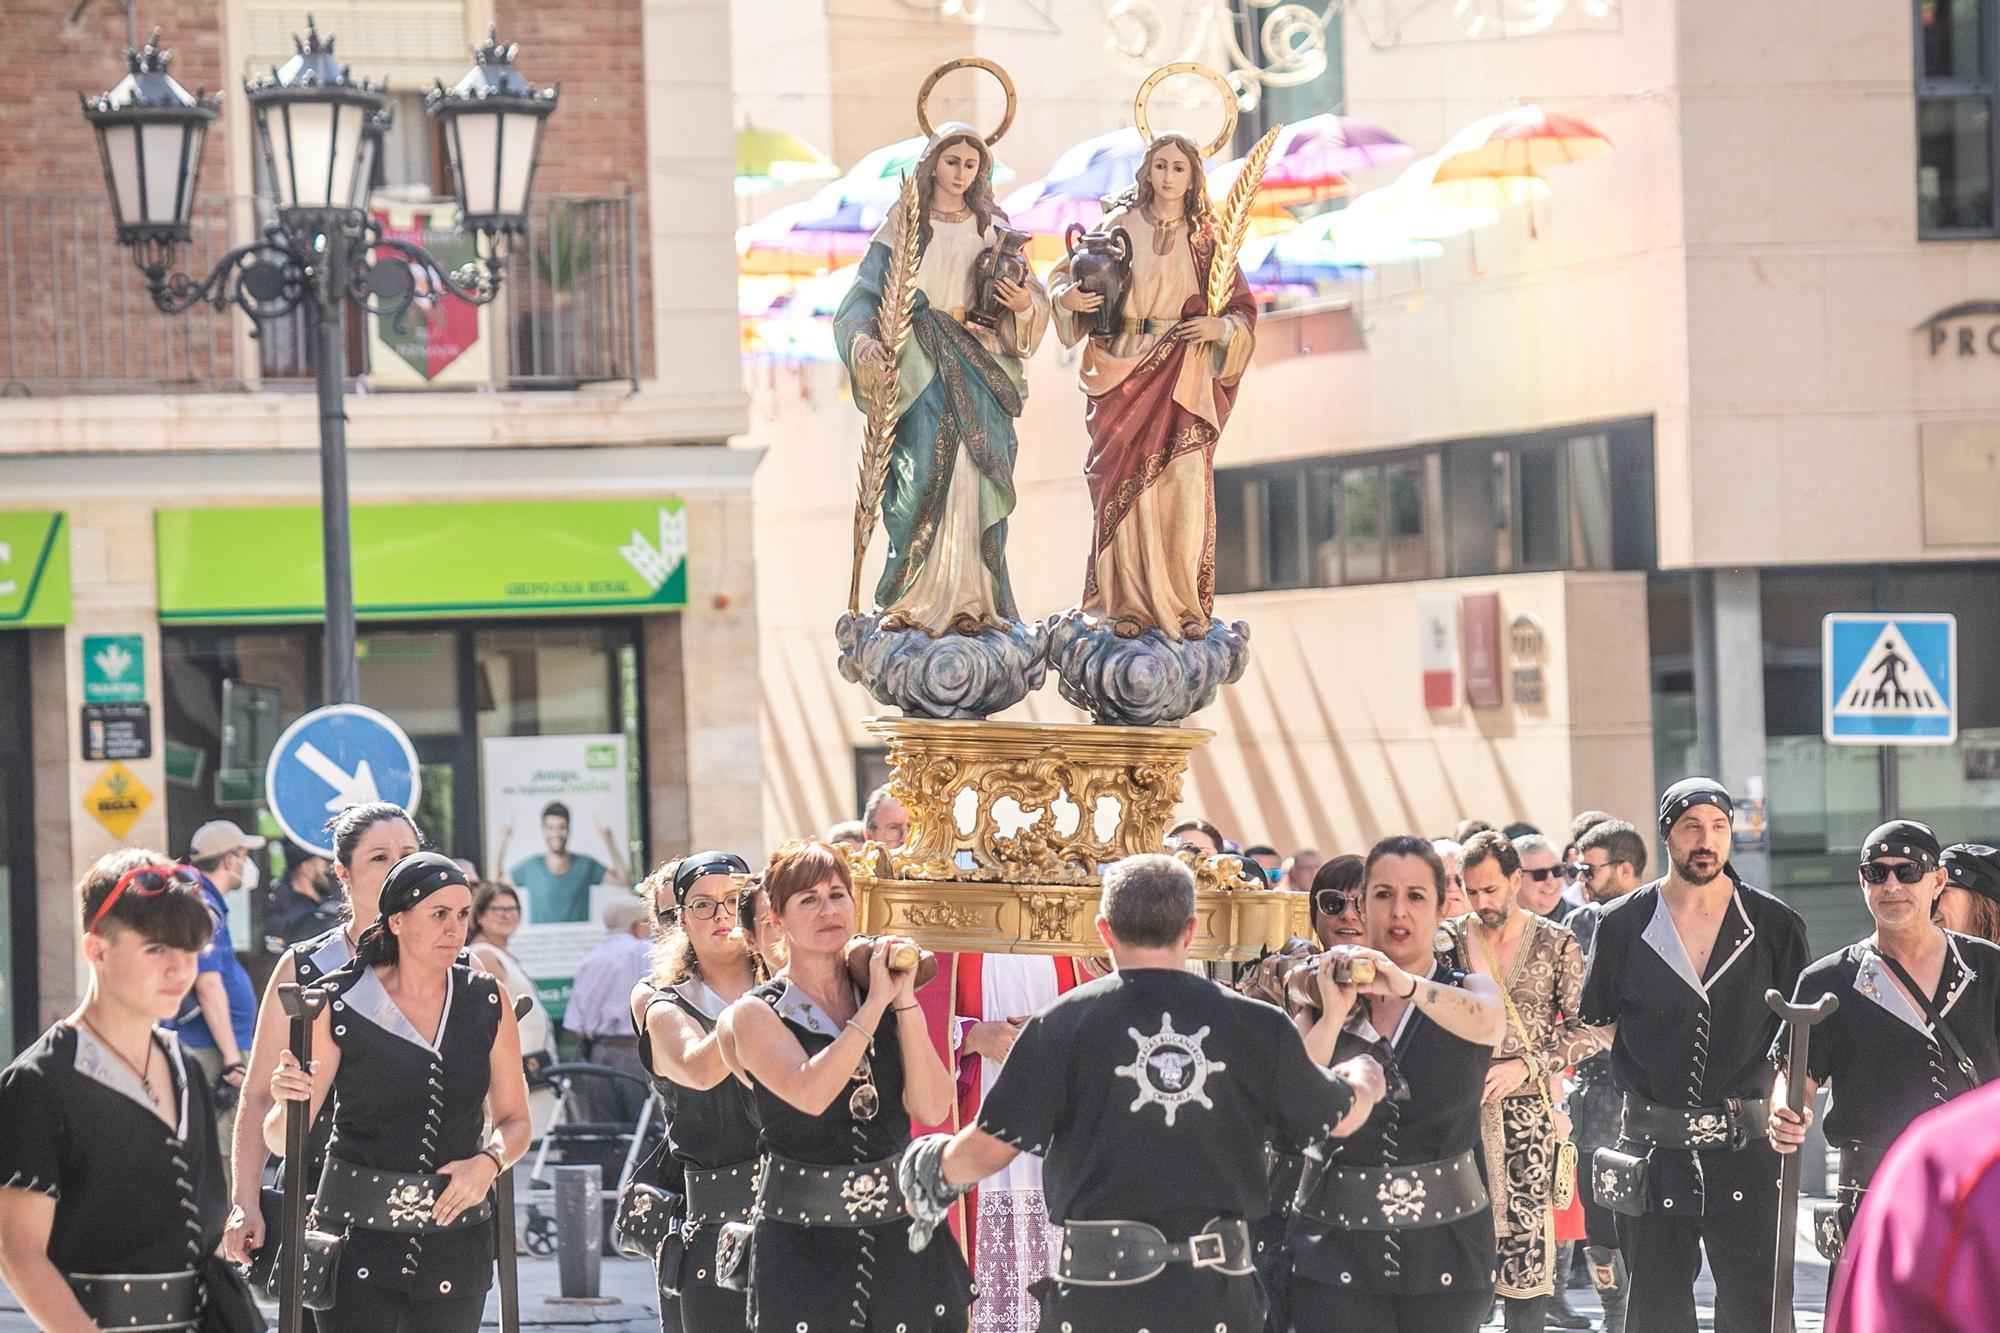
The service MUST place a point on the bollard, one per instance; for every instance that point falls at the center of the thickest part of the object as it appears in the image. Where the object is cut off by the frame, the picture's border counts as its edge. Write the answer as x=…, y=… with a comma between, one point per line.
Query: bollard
x=1812, y=1159
x=579, y=1229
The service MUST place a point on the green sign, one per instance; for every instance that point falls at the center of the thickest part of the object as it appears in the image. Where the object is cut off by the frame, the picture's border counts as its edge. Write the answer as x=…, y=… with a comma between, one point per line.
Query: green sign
x=34, y=569
x=528, y=557
x=114, y=669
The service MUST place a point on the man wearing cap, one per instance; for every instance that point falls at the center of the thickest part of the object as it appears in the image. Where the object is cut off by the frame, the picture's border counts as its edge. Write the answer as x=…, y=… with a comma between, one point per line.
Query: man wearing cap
x=219, y=1018
x=1970, y=903
x=1918, y=1022
x=1679, y=969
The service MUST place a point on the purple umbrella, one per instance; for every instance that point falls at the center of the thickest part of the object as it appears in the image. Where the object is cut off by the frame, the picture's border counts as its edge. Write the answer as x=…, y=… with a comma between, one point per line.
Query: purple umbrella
x=1320, y=149
x=1074, y=187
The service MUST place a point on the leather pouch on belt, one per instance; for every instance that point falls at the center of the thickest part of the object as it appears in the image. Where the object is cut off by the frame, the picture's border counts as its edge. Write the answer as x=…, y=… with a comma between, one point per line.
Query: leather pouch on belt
x=1618, y=1180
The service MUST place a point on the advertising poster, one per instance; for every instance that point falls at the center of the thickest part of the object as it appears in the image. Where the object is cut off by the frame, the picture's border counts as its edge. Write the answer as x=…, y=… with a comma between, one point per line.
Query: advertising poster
x=557, y=826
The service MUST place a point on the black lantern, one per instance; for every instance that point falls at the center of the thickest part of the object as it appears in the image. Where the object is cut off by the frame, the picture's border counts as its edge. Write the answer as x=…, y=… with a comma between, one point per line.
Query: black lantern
x=372, y=136
x=312, y=120
x=492, y=122
x=150, y=133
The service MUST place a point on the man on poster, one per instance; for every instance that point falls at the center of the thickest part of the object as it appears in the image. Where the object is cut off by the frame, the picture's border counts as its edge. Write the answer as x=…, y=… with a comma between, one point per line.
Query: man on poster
x=558, y=881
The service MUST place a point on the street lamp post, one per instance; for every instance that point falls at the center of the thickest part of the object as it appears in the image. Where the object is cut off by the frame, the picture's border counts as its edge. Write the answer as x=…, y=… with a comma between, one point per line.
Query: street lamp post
x=318, y=133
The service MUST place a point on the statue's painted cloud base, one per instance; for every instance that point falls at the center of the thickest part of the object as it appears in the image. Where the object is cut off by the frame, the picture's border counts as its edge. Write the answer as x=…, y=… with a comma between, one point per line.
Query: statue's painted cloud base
x=951, y=675
x=1149, y=681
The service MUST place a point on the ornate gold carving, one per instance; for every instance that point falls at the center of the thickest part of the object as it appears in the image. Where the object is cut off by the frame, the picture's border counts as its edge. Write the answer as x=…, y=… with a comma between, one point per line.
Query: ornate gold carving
x=1006, y=839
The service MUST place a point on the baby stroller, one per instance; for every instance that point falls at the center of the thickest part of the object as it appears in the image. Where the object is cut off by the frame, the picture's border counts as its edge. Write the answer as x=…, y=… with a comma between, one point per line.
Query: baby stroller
x=588, y=1127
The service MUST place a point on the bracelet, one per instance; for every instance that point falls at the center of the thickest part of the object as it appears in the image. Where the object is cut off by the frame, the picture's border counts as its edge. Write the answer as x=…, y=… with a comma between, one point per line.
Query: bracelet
x=1413, y=989
x=866, y=1035
x=490, y=1151
x=904, y=1008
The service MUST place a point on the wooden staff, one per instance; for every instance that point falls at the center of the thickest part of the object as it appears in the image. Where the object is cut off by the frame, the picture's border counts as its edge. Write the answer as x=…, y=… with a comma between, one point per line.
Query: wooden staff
x=1799, y=1019
x=503, y=1221
x=302, y=1005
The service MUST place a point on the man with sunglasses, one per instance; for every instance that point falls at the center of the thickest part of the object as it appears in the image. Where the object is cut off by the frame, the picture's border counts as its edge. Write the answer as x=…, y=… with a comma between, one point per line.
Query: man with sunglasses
x=1541, y=876
x=1679, y=969
x=1918, y=1022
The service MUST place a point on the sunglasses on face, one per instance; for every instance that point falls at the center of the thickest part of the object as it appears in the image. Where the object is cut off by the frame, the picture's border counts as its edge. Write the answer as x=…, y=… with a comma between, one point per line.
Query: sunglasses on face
x=1330, y=902
x=1540, y=875
x=1906, y=872
x=147, y=882
x=708, y=909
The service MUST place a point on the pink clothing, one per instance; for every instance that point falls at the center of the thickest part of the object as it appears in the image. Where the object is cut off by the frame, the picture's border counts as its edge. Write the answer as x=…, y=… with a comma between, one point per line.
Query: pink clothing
x=1924, y=1254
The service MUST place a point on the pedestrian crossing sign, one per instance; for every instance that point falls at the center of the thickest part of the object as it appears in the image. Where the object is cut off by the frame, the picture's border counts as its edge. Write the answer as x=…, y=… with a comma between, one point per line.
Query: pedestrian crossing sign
x=1890, y=679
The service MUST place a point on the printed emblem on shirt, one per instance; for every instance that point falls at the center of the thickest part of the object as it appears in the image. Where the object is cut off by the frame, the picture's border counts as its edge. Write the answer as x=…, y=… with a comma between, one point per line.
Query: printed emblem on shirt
x=1170, y=1069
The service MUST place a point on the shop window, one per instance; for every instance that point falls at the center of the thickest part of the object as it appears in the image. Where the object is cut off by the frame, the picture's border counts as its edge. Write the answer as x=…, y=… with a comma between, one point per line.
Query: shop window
x=1956, y=91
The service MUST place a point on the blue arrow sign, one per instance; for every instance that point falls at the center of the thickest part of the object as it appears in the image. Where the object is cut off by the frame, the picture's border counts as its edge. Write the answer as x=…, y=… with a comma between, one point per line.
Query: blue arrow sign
x=1890, y=679
x=334, y=757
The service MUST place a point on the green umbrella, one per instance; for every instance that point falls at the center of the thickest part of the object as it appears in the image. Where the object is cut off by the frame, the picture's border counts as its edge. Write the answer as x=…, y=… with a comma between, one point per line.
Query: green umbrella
x=773, y=159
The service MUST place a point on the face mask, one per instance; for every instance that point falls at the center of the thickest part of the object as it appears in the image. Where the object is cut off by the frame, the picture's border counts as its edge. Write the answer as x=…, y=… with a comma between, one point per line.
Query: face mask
x=252, y=872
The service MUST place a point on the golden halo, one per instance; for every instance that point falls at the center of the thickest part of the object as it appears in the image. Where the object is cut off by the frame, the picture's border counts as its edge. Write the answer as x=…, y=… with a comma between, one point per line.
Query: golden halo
x=1165, y=72
x=965, y=62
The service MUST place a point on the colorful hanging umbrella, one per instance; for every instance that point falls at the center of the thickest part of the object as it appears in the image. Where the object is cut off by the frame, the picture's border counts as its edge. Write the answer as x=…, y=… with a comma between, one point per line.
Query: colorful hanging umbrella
x=1313, y=158
x=773, y=159
x=1075, y=186
x=878, y=176
x=1468, y=189
x=1519, y=142
x=1415, y=215
x=1346, y=239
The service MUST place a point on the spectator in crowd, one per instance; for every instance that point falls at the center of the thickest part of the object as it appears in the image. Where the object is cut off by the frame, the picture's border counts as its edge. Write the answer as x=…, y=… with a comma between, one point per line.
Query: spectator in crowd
x=558, y=881
x=219, y=1019
x=1573, y=891
x=1468, y=829
x=600, y=1013
x=496, y=915
x=304, y=903
x=1336, y=903
x=1610, y=861
x=885, y=819
x=1541, y=876
x=1266, y=859
x=848, y=832
x=1300, y=867
x=1451, y=853
x=1520, y=828
x=1970, y=903
x=1198, y=834
x=471, y=872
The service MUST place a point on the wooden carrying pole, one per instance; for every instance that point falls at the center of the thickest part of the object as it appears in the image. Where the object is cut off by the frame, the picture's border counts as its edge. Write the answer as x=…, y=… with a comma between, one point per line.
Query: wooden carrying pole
x=302, y=1005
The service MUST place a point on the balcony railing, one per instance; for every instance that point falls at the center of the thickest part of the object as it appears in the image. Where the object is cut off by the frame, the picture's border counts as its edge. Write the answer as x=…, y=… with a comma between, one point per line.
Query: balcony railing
x=75, y=317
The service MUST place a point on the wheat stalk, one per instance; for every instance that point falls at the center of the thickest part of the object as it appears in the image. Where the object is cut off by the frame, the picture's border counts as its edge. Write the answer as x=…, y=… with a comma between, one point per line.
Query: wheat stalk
x=892, y=330
x=1232, y=225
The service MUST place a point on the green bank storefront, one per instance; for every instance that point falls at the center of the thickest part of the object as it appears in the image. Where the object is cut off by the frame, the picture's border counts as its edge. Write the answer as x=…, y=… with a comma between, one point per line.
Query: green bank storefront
x=509, y=639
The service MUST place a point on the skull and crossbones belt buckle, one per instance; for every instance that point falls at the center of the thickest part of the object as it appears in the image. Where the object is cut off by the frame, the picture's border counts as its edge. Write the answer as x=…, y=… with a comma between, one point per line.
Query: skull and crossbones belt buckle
x=1735, y=1124
x=1400, y=1198
x=401, y=1201
x=1124, y=1254
x=810, y=1194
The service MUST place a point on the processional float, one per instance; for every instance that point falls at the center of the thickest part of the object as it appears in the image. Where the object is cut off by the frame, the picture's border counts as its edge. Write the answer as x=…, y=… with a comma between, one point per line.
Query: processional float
x=1011, y=822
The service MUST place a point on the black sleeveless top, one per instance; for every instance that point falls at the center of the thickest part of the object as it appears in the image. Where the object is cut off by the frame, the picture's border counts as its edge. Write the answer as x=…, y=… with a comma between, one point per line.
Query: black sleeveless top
x=706, y=1127
x=411, y=1103
x=834, y=1137
x=1440, y=1120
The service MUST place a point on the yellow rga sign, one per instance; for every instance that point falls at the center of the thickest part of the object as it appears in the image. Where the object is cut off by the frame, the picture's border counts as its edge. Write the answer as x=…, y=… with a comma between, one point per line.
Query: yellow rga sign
x=117, y=799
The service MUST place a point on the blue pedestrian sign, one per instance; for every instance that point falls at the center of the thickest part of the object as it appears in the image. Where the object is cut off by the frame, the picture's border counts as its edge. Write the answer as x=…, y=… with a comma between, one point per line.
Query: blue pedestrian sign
x=334, y=757
x=1890, y=679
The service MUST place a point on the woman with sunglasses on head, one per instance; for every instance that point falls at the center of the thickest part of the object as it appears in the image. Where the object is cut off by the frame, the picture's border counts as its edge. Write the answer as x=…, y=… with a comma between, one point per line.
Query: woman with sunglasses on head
x=839, y=1071
x=701, y=963
x=109, y=1166
x=419, y=1049
x=1396, y=1234
x=367, y=840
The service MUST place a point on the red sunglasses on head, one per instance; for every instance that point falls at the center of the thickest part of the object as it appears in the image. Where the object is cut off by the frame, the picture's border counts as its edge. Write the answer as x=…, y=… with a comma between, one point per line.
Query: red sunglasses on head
x=147, y=882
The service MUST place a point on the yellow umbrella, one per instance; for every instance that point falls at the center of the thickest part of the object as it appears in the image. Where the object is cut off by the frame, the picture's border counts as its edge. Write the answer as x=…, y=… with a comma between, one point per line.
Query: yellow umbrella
x=1520, y=142
x=773, y=159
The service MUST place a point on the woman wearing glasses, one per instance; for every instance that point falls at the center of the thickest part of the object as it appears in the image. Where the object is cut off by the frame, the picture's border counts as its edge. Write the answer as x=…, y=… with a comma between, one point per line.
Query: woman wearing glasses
x=701, y=964
x=367, y=840
x=109, y=1166
x=838, y=1072
x=421, y=1054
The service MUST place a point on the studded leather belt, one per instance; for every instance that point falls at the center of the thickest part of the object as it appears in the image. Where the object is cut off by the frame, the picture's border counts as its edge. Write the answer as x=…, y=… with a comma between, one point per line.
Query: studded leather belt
x=140, y=1301
x=1737, y=1123
x=725, y=1194
x=1287, y=1170
x=1858, y=1164
x=811, y=1194
x=1124, y=1254
x=360, y=1196
x=1399, y=1198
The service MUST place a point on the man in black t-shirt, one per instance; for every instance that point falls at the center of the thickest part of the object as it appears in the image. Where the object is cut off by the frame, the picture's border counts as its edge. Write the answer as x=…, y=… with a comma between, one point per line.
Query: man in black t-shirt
x=1151, y=1094
x=1679, y=968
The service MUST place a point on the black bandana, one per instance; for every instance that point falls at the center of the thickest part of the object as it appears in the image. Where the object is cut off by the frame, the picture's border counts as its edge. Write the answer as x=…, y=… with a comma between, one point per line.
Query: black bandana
x=1686, y=794
x=692, y=868
x=1905, y=838
x=416, y=877
x=1973, y=866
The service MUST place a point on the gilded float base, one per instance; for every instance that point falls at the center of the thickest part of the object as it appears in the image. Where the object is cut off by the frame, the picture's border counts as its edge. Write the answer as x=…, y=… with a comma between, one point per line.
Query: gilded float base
x=1010, y=823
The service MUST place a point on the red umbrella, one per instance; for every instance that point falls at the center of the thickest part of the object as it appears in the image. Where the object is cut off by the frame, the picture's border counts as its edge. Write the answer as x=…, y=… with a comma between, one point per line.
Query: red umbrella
x=1519, y=143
